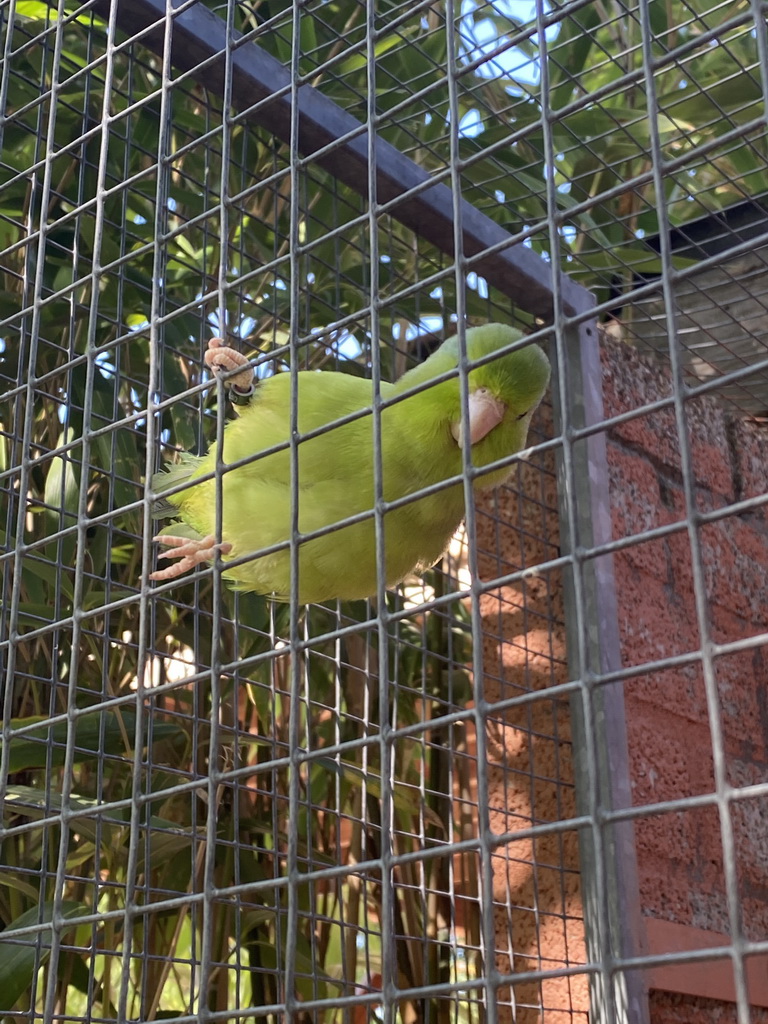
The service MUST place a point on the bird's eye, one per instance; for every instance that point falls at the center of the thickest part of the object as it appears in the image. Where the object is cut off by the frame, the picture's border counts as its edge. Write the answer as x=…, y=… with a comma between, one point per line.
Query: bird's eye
x=522, y=415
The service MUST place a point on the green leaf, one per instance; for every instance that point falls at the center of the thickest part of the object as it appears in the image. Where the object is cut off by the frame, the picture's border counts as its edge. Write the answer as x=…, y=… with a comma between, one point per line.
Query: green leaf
x=576, y=38
x=20, y=959
x=108, y=829
x=308, y=973
x=403, y=799
x=12, y=882
x=61, y=485
x=358, y=61
x=36, y=10
x=95, y=735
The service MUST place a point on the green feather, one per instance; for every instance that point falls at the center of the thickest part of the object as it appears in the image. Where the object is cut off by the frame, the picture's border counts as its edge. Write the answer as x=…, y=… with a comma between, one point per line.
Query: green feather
x=172, y=476
x=336, y=473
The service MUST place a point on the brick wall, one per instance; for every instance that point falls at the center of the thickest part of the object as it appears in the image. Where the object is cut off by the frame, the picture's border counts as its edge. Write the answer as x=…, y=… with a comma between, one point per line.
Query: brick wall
x=680, y=862
x=680, y=857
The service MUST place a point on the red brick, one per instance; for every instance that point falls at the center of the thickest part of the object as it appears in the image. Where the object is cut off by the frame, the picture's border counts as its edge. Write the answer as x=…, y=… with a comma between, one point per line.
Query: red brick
x=735, y=560
x=664, y=891
x=636, y=503
x=678, y=690
x=725, y=626
x=650, y=557
x=670, y=756
x=631, y=381
x=681, y=563
x=748, y=442
x=655, y=433
x=750, y=837
x=706, y=869
x=671, y=831
x=750, y=817
x=742, y=683
x=710, y=910
x=754, y=914
x=710, y=451
x=672, y=1008
x=653, y=622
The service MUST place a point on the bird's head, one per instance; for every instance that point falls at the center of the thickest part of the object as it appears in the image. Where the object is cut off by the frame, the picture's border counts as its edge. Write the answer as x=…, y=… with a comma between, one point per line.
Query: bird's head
x=503, y=392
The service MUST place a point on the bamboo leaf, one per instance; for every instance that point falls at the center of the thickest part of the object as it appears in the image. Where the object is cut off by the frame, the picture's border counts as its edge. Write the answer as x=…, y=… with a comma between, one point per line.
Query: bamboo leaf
x=36, y=10
x=403, y=796
x=576, y=39
x=61, y=484
x=95, y=735
x=20, y=958
x=107, y=829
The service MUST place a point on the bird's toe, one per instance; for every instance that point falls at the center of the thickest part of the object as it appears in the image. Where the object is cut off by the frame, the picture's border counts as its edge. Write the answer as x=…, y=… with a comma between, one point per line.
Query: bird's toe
x=221, y=358
x=190, y=553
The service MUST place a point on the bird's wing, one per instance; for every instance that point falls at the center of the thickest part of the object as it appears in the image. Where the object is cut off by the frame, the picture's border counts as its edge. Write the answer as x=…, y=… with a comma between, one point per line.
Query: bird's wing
x=172, y=475
x=323, y=398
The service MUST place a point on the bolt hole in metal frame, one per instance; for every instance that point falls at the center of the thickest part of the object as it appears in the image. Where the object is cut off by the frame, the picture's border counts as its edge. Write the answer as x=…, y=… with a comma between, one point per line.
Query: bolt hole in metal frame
x=195, y=40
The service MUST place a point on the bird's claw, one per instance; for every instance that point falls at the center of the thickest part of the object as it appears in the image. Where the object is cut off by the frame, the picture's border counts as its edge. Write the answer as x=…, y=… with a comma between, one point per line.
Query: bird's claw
x=190, y=552
x=221, y=358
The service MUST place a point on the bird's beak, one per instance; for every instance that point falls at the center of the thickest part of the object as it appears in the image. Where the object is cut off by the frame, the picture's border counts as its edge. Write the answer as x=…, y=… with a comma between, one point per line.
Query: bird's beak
x=485, y=413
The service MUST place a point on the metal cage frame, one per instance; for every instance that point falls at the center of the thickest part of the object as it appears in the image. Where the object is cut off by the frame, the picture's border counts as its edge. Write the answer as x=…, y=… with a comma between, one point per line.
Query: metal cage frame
x=207, y=50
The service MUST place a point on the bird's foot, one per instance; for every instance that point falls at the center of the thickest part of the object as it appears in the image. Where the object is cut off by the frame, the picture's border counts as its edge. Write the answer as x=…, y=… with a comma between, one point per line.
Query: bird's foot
x=191, y=552
x=221, y=358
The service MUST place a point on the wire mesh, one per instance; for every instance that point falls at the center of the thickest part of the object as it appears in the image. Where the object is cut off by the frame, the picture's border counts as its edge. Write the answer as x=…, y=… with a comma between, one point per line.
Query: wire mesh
x=528, y=784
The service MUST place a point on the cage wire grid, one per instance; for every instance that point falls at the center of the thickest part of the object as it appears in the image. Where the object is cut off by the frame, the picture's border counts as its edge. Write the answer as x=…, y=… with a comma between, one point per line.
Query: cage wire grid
x=471, y=798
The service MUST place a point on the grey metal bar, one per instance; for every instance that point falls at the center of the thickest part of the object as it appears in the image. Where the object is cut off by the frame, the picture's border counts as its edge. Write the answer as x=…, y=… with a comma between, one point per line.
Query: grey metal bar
x=614, y=931
x=199, y=37
x=625, y=914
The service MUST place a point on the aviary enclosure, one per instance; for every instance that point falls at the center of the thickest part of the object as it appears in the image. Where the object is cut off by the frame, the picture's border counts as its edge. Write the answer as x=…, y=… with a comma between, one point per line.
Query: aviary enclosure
x=527, y=784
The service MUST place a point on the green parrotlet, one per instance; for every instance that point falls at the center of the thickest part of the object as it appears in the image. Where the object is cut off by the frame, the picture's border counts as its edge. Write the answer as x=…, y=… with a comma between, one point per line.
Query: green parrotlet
x=421, y=445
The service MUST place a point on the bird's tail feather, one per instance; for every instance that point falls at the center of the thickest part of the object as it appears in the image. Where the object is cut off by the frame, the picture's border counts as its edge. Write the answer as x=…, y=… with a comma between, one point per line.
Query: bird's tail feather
x=171, y=476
